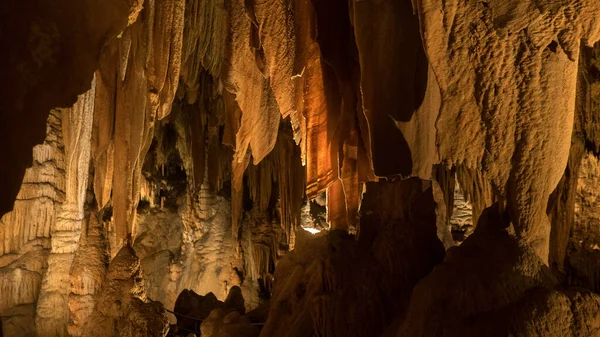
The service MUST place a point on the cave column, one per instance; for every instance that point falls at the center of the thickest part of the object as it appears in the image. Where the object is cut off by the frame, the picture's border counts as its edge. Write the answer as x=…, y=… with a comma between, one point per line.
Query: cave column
x=53, y=308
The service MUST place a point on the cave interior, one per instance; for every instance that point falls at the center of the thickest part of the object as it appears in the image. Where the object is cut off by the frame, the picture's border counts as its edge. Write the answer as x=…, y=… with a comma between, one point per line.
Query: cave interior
x=300, y=168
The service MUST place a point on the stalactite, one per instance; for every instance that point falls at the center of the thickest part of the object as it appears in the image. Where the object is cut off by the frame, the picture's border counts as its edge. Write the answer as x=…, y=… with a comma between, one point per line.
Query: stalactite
x=199, y=127
x=237, y=193
x=476, y=189
x=276, y=33
x=259, y=182
x=320, y=105
x=321, y=123
x=134, y=121
x=581, y=250
x=211, y=47
x=575, y=235
x=103, y=145
x=588, y=105
x=336, y=206
x=148, y=59
x=165, y=53
x=253, y=94
x=447, y=180
x=506, y=78
x=561, y=205
x=290, y=175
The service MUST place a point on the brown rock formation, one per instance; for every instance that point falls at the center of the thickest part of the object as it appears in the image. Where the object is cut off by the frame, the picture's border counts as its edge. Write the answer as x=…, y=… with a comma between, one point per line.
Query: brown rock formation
x=222, y=324
x=318, y=284
x=510, y=292
x=194, y=144
x=48, y=40
x=52, y=308
x=582, y=259
x=26, y=243
x=192, y=310
x=510, y=87
x=121, y=308
x=87, y=274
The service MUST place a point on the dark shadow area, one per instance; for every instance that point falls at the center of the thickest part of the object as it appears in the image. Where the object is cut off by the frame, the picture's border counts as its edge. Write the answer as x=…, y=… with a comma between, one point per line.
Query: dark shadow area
x=164, y=167
x=44, y=41
x=394, y=78
x=192, y=309
x=336, y=285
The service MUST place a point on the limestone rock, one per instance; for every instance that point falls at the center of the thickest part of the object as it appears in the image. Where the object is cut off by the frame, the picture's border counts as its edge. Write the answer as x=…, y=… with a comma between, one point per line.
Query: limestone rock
x=192, y=309
x=222, y=324
x=87, y=273
x=318, y=284
x=505, y=289
x=121, y=307
x=499, y=99
x=583, y=250
x=47, y=41
x=208, y=133
x=53, y=308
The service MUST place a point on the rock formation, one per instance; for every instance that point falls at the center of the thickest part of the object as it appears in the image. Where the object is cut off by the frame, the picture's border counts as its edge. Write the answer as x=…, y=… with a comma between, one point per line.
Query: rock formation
x=512, y=292
x=300, y=168
x=219, y=324
x=120, y=308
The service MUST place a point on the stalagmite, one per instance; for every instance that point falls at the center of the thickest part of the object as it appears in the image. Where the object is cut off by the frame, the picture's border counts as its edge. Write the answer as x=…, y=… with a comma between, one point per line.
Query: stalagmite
x=87, y=273
x=121, y=308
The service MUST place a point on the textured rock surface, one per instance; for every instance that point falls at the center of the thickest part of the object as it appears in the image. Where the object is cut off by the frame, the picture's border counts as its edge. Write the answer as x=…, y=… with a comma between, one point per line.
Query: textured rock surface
x=222, y=324
x=214, y=130
x=583, y=258
x=26, y=244
x=192, y=310
x=318, y=283
x=47, y=41
x=500, y=94
x=121, y=308
x=87, y=274
x=517, y=296
x=462, y=216
x=52, y=308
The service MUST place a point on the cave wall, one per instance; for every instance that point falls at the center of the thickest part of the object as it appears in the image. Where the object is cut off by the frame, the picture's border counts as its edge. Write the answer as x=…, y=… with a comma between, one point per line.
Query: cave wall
x=581, y=265
x=26, y=244
x=48, y=40
x=202, y=130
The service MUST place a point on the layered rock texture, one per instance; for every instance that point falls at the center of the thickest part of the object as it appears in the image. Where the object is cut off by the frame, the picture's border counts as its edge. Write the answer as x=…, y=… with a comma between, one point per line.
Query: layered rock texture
x=300, y=168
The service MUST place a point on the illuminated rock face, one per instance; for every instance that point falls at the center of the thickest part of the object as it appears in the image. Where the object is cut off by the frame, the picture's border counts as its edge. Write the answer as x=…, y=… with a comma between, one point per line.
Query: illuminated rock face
x=188, y=142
